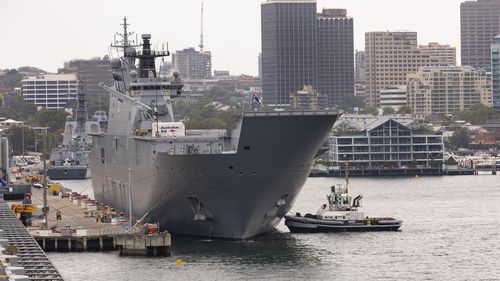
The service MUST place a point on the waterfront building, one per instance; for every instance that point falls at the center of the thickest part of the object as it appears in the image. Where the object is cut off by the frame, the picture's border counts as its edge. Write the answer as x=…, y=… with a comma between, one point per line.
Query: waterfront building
x=51, y=91
x=289, y=48
x=446, y=90
x=359, y=66
x=495, y=74
x=308, y=99
x=444, y=52
x=394, y=97
x=479, y=24
x=335, y=55
x=193, y=64
x=385, y=143
x=389, y=57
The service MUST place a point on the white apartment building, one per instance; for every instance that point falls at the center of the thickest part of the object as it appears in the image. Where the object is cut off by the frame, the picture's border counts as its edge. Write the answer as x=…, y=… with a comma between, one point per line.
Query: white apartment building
x=445, y=90
x=50, y=91
x=389, y=57
x=394, y=97
x=444, y=52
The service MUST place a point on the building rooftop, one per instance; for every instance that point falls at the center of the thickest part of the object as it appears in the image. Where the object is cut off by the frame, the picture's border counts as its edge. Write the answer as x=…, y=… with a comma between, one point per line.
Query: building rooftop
x=53, y=77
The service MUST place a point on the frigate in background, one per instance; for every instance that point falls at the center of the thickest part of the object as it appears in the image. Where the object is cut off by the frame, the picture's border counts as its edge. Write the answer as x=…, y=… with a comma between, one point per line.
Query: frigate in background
x=234, y=183
x=71, y=159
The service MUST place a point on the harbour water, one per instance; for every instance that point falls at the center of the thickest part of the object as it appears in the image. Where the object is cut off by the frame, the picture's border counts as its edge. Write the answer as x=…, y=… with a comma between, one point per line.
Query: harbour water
x=451, y=231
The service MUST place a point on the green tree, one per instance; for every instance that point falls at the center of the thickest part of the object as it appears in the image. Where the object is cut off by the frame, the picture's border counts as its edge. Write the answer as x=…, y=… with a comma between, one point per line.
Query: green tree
x=460, y=139
x=54, y=119
x=388, y=111
x=16, y=108
x=478, y=114
x=370, y=110
x=404, y=110
x=351, y=102
x=10, y=80
x=19, y=137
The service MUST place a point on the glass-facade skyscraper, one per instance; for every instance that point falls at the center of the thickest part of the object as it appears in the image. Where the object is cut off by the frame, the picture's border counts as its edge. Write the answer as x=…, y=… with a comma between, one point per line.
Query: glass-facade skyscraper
x=289, y=54
x=335, y=55
x=302, y=48
x=495, y=73
x=479, y=24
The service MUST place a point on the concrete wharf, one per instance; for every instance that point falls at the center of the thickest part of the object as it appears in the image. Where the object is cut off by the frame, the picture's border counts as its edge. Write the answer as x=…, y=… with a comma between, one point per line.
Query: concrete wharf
x=78, y=231
x=30, y=256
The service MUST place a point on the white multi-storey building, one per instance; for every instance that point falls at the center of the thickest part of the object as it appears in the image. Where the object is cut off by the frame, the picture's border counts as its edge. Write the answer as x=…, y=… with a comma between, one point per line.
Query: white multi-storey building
x=389, y=57
x=50, y=91
x=444, y=52
x=446, y=90
x=394, y=97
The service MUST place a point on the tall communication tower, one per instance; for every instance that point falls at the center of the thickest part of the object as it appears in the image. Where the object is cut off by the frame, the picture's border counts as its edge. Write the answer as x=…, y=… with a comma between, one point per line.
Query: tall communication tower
x=201, y=32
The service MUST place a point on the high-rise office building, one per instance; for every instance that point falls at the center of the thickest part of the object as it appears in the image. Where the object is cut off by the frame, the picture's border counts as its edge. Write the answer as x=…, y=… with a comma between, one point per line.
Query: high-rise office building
x=335, y=55
x=444, y=52
x=495, y=73
x=389, y=57
x=300, y=47
x=359, y=66
x=289, y=53
x=193, y=64
x=479, y=24
x=445, y=90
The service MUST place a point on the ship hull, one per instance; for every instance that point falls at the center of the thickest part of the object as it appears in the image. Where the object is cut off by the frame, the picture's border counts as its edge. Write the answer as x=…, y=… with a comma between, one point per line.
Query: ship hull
x=309, y=225
x=68, y=173
x=230, y=195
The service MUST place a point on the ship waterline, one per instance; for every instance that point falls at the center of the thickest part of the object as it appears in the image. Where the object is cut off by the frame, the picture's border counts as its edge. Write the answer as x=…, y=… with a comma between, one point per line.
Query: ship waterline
x=238, y=193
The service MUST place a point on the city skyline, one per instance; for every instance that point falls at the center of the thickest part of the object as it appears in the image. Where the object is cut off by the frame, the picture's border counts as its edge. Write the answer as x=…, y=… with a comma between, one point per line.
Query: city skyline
x=47, y=34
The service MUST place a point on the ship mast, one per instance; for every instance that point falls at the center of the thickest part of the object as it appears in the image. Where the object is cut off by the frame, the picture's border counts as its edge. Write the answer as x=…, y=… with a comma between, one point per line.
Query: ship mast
x=81, y=115
x=125, y=44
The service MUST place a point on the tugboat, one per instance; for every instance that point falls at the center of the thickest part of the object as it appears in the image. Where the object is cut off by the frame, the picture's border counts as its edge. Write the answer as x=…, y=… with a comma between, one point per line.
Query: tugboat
x=340, y=214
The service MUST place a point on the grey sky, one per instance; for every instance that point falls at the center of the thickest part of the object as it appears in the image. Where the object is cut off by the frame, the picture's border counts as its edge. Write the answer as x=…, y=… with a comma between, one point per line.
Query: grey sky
x=45, y=34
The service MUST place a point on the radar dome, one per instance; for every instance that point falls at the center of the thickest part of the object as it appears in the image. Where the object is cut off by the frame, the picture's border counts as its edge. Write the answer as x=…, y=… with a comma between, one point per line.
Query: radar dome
x=133, y=74
x=116, y=63
x=176, y=74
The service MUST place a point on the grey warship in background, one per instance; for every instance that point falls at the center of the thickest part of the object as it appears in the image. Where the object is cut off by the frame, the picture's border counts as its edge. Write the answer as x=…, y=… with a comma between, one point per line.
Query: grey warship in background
x=71, y=159
x=234, y=183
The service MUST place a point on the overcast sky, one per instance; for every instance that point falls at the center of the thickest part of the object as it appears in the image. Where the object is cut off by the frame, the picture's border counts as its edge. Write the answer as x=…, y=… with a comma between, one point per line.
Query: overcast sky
x=45, y=34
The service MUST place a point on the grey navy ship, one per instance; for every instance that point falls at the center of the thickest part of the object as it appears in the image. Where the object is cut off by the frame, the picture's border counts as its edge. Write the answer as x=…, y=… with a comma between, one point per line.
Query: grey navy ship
x=235, y=183
x=71, y=159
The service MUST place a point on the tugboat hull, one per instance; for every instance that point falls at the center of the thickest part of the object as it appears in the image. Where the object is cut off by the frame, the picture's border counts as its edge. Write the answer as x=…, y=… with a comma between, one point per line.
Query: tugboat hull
x=311, y=225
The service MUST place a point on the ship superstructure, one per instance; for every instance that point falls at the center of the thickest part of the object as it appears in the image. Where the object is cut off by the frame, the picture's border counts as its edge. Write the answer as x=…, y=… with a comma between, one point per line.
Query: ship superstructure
x=71, y=159
x=234, y=183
